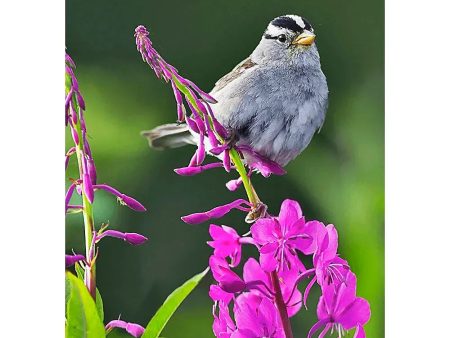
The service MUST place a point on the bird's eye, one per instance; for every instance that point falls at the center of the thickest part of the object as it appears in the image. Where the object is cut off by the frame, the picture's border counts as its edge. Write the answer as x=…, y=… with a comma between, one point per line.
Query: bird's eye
x=281, y=38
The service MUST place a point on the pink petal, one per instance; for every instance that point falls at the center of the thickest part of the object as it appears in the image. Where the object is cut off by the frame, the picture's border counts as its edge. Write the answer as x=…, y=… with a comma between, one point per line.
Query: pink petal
x=269, y=248
x=264, y=230
x=316, y=230
x=290, y=212
x=359, y=332
x=357, y=313
x=316, y=327
x=217, y=294
x=252, y=272
x=268, y=262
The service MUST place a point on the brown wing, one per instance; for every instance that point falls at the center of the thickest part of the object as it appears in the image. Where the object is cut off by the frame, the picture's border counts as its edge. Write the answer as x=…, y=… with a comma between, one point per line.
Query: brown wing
x=241, y=67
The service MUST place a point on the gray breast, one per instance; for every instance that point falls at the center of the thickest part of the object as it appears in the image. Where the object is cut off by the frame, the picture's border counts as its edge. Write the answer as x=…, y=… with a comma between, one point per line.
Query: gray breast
x=276, y=111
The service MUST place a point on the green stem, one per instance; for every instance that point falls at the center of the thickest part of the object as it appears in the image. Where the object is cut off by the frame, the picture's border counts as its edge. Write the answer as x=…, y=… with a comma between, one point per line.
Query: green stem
x=88, y=219
x=254, y=199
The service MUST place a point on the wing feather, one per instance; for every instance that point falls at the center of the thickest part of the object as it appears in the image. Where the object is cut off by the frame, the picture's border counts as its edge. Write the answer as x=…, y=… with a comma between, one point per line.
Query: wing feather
x=246, y=64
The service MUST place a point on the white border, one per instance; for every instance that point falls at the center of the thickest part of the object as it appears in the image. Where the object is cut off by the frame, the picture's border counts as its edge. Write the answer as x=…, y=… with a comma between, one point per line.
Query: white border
x=417, y=168
x=31, y=170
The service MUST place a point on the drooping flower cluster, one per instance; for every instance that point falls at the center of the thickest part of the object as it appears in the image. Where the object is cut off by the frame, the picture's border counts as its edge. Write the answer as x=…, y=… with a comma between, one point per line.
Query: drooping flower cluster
x=86, y=186
x=211, y=136
x=269, y=291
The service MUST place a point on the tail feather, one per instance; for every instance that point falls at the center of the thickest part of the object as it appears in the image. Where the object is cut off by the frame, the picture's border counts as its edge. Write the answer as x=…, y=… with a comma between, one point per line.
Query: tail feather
x=169, y=136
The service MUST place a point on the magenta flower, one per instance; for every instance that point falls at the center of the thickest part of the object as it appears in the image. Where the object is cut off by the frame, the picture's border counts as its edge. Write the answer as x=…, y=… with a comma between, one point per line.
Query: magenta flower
x=260, y=283
x=226, y=243
x=280, y=236
x=72, y=259
x=228, y=280
x=217, y=212
x=256, y=317
x=341, y=309
x=223, y=325
x=330, y=268
x=218, y=295
x=134, y=329
x=130, y=237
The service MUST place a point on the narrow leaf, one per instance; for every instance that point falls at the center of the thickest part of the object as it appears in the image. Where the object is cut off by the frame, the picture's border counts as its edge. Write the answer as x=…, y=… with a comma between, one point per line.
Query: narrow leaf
x=99, y=305
x=98, y=298
x=79, y=270
x=171, y=304
x=82, y=319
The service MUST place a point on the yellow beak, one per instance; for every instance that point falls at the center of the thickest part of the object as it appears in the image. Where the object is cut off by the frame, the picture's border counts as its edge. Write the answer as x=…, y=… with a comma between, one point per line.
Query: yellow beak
x=304, y=39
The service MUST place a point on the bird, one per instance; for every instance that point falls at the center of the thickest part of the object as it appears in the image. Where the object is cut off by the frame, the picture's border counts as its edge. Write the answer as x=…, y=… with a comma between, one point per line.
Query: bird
x=274, y=101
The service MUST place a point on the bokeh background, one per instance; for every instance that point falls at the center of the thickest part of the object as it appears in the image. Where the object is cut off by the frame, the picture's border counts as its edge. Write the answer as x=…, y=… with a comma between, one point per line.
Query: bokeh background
x=339, y=179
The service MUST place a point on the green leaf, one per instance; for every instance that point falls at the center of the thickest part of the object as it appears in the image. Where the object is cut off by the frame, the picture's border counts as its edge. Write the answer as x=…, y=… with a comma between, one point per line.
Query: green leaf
x=99, y=305
x=98, y=298
x=79, y=270
x=82, y=319
x=171, y=304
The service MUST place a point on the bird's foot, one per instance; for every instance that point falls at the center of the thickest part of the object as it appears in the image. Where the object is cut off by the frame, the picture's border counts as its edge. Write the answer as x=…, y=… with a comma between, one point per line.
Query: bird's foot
x=257, y=212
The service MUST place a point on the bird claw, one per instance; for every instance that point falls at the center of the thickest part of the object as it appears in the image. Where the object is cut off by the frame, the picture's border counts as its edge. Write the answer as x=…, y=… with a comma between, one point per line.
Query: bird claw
x=258, y=212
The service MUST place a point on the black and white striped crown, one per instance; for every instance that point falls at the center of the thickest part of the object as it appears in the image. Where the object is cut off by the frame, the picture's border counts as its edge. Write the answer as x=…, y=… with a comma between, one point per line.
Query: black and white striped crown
x=294, y=23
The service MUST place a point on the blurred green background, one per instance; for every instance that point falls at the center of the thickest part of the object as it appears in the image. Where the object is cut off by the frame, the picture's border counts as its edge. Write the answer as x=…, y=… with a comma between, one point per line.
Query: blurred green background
x=339, y=179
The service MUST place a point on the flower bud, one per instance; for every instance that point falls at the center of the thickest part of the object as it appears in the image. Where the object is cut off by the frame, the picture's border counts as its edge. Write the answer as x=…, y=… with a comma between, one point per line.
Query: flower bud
x=72, y=259
x=133, y=329
x=132, y=203
x=217, y=212
x=191, y=171
x=87, y=188
x=233, y=185
x=134, y=238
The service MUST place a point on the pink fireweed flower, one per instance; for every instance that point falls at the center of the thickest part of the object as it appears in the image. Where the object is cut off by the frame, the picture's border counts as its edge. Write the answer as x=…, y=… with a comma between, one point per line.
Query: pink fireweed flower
x=228, y=280
x=130, y=237
x=217, y=212
x=256, y=317
x=72, y=259
x=133, y=329
x=330, y=268
x=123, y=199
x=227, y=243
x=341, y=309
x=223, y=325
x=218, y=295
x=280, y=236
x=254, y=275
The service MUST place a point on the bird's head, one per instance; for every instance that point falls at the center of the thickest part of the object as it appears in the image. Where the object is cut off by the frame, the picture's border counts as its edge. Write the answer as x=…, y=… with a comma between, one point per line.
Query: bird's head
x=287, y=37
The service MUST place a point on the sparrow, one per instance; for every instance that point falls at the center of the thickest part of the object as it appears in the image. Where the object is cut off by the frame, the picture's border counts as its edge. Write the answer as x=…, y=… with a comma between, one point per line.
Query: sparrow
x=274, y=101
